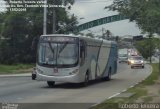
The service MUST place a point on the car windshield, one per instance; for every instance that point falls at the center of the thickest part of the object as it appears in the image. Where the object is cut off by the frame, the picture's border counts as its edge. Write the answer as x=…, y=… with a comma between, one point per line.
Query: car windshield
x=58, y=53
x=137, y=58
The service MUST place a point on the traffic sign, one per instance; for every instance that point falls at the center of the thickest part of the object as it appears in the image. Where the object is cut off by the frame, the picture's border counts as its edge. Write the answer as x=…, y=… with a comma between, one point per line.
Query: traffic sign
x=100, y=21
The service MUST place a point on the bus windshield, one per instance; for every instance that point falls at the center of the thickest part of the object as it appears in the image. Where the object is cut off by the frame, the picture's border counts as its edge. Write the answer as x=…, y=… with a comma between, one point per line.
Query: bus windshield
x=58, y=54
x=122, y=55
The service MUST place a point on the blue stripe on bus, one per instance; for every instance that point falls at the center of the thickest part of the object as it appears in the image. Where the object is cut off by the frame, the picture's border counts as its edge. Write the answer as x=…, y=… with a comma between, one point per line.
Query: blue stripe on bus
x=110, y=62
x=97, y=65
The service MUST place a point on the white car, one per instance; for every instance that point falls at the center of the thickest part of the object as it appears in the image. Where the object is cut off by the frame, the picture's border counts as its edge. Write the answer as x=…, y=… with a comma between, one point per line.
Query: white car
x=137, y=61
x=123, y=58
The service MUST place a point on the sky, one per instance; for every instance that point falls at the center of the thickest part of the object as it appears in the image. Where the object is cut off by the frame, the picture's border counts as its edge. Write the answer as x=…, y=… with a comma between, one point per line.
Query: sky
x=94, y=9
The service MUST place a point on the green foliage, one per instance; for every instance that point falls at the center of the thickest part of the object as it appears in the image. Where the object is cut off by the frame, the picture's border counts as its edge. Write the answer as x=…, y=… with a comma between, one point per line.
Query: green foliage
x=154, y=76
x=144, y=47
x=106, y=106
x=157, y=43
x=21, y=31
x=147, y=99
x=139, y=90
x=146, y=13
x=14, y=68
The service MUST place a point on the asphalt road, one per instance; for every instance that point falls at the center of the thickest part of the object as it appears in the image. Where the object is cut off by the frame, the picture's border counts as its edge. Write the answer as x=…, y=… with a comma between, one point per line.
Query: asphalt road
x=25, y=90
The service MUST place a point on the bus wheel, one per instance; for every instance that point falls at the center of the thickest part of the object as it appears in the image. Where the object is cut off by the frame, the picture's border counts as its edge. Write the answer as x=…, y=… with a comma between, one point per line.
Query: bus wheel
x=108, y=78
x=51, y=83
x=86, y=80
x=33, y=76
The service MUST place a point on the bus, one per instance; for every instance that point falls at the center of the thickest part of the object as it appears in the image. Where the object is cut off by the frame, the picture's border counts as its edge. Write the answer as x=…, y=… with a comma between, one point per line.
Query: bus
x=74, y=59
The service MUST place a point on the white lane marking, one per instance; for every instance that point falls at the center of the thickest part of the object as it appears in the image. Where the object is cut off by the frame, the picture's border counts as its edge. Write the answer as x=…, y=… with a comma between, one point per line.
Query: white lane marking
x=151, y=69
x=113, y=95
x=131, y=86
x=124, y=90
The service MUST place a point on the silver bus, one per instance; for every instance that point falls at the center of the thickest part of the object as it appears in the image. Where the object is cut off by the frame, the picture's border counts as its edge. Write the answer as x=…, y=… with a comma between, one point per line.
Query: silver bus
x=74, y=59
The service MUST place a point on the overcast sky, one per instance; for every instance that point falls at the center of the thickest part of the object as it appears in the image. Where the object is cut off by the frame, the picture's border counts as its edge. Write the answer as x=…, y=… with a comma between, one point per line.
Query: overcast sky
x=94, y=9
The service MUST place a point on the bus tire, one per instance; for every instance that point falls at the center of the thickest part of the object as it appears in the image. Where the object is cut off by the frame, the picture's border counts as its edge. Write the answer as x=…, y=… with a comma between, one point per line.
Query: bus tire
x=86, y=80
x=51, y=83
x=108, y=77
x=33, y=76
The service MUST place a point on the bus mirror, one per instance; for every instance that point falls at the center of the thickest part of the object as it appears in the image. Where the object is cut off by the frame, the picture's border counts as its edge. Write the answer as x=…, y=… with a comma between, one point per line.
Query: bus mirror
x=82, y=55
x=81, y=51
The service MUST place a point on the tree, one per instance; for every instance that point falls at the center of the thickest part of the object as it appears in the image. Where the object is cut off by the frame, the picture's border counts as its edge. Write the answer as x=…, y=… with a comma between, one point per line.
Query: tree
x=107, y=35
x=59, y=14
x=2, y=16
x=23, y=28
x=143, y=47
x=144, y=12
x=157, y=43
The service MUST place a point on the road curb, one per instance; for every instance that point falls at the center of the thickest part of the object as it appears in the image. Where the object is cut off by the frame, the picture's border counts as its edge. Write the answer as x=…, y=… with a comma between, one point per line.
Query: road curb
x=116, y=94
x=16, y=75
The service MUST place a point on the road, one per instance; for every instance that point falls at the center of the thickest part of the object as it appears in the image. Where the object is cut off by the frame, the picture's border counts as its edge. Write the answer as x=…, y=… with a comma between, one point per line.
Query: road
x=25, y=90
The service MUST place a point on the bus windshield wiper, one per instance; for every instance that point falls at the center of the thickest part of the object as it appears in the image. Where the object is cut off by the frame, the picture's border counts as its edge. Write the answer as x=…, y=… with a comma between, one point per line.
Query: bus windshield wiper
x=50, y=46
x=62, y=47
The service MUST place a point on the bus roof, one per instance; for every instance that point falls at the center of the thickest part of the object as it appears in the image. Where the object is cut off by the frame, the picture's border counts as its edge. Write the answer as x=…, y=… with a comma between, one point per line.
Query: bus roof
x=81, y=37
x=66, y=35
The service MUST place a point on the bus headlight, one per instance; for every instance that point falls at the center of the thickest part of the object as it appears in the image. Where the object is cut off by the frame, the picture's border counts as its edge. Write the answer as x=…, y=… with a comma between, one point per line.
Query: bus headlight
x=74, y=72
x=39, y=71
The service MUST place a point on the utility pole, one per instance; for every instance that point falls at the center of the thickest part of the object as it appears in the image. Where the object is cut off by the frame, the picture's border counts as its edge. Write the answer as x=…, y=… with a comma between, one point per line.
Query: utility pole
x=54, y=18
x=103, y=36
x=159, y=60
x=45, y=18
x=54, y=21
x=150, y=47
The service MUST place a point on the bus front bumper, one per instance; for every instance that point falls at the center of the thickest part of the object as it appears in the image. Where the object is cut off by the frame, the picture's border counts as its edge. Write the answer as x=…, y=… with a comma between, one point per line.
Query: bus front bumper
x=76, y=78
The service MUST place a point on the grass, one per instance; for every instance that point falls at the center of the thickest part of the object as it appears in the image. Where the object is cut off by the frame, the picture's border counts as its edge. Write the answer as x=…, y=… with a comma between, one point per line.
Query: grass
x=139, y=90
x=154, y=76
x=17, y=68
x=159, y=92
x=147, y=99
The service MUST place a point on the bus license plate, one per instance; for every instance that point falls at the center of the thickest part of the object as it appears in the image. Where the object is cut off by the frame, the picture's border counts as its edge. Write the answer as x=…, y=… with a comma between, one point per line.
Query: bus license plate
x=55, y=70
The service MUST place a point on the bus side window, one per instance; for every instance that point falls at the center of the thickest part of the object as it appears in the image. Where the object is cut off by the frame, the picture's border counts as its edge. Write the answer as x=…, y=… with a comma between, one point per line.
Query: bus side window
x=82, y=52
